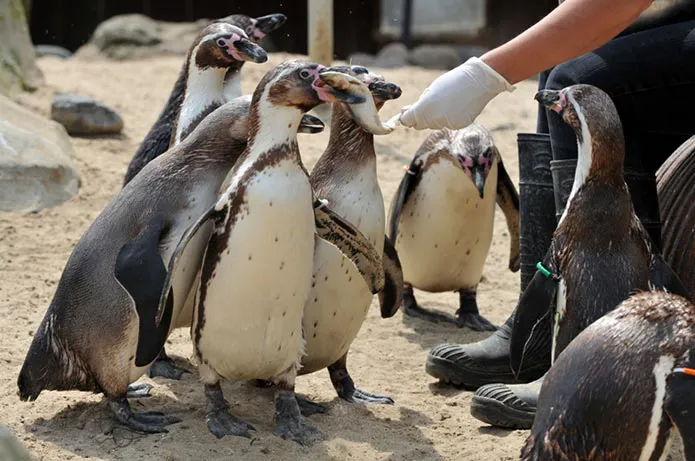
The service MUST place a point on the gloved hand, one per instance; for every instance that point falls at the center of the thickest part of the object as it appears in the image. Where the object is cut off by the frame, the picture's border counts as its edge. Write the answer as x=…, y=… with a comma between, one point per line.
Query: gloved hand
x=456, y=98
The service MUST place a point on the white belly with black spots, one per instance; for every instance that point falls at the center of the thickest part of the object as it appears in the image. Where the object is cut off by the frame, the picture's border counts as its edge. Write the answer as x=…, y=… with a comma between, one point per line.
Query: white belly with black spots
x=253, y=306
x=445, y=229
x=340, y=299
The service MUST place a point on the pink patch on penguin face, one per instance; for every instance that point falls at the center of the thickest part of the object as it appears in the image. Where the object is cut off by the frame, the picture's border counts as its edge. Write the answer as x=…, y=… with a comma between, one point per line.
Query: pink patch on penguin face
x=322, y=91
x=255, y=32
x=466, y=163
x=485, y=161
x=228, y=45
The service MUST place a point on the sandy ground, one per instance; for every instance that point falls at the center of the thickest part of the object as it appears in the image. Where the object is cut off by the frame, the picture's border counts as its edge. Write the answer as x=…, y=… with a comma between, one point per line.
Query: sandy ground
x=428, y=421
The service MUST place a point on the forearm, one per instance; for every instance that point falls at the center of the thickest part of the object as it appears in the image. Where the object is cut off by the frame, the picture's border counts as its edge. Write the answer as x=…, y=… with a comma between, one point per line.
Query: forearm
x=572, y=29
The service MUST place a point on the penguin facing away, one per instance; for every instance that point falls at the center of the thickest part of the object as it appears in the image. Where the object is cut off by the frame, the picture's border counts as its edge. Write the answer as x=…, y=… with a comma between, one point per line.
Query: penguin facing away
x=346, y=176
x=621, y=390
x=102, y=329
x=600, y=253
x=222, y=46
x=442, y=217
x=264, y=224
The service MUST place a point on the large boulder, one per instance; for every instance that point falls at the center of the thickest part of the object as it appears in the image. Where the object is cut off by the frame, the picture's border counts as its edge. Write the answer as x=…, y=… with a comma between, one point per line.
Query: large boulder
x=82, y=115
x=126, y=29
x=36, y=167
x=392, y=55
x=18, y=68
x=444, y=57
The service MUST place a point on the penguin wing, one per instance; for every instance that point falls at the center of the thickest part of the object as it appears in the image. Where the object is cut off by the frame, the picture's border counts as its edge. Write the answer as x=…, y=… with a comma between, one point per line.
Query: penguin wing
x=405, y=188
x=391, y=297
x=678, y=405
x=531, y=331
x=141, y=271
x=508, y=201
x=662, y=276
x=352, y=243
x=166, y=291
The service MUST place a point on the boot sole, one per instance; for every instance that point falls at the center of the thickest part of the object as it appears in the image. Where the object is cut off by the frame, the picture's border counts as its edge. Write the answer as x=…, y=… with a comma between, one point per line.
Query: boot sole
x=497, y=414
x=447, y=372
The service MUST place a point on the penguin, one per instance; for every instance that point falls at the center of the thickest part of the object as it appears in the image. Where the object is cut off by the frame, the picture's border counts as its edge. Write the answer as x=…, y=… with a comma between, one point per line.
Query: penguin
x=346, y=176
x=442, y=217
x=600, y=253
x=256, y=272
x=200, y=87
x=623, y=388
x=99, y=333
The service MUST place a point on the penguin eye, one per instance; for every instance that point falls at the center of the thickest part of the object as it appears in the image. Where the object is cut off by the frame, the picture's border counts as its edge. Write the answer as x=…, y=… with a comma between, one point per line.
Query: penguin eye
x=304, y=74
x=221, y=42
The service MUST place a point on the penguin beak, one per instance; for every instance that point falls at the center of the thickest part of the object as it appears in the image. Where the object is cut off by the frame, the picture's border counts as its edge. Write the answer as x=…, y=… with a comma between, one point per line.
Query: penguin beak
x=479, y=181
x=551, y=100
x=384, y=91
x=269, y=23
x=334, y=86
x=310, y=125
x=249, y=51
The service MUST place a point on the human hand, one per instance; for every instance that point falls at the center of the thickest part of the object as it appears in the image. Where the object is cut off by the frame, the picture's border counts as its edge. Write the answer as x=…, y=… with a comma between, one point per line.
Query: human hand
x=454, y=99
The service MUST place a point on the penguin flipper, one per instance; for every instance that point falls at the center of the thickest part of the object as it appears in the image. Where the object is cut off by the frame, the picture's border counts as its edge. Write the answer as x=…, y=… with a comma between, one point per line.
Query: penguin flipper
x=679, y=404
x=508, y=201
x=391, y=297
x=165, y=293
x=352, y=243
x=141, y=271
x=405, y=188
x=662, y=276
x=531, y=320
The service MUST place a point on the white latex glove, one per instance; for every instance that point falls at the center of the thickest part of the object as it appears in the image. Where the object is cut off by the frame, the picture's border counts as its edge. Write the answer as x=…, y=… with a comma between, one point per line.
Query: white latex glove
x=456, y=98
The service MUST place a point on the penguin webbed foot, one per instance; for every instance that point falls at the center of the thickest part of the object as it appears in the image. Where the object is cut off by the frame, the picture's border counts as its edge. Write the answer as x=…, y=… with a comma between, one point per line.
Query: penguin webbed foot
x=309, y=408
x=139, y=391
x=150, y=422
x=413, y=309
x=468, y=315
x=345, y=387
x=220, y=421
x=367, y=398
x=289, y=422
x=166, y=368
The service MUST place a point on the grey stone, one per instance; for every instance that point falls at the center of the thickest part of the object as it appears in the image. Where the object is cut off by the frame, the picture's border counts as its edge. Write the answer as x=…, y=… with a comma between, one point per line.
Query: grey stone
x=18, y=68
x=126, y=29
x=361, y=59
x=467, y=52
x=12, y=449
x=52, y=50
x=36, y=167
x=443, y=57
x=82, y=115
x=392, y=55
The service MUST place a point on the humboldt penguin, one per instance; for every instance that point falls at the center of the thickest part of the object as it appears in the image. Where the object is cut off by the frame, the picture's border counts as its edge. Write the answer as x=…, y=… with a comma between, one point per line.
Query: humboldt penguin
x=346, y=176
x=101, y=331
x=264, y=226
x=201, y=86
x=624, y=388
x=442, y=218
x=600, y=253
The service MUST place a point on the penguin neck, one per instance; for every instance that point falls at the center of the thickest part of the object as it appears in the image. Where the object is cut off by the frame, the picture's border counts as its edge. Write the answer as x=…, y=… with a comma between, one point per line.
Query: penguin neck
x=232, y=83
x=601, y=153
x=204, y=92
x=271, y=127
x=349, y=145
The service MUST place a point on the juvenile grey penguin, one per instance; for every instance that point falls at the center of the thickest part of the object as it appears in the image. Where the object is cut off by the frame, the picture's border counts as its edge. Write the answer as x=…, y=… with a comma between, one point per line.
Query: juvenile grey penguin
x=245, y=328
x=220, y=49
x=346, y=176
x=442, y=218
x=623, y=388
x=600, y=253
x=102, y=329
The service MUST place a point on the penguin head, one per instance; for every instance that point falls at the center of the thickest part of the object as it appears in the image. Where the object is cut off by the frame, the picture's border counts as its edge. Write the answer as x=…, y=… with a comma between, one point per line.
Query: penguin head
x=256, y=28
x=224, y=46
x=475, y=152
x=380, y=89
x=304, y=85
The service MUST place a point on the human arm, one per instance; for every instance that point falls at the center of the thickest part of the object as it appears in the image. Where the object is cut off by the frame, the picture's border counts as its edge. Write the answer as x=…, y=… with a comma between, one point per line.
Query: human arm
x=575, y=27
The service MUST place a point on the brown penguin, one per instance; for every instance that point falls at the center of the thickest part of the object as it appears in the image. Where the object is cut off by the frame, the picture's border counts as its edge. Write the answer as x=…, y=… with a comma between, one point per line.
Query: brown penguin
x=623, y=388
x=200, y=87
x=600, y=253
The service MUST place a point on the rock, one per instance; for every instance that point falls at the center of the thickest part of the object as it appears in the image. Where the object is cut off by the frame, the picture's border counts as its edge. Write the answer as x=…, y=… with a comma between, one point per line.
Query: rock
x=18, y=68
x=82, y=115
x=52, y=50
x=361, y=59
x=36, y=167
x=443, y=57
x=126, y=29
x=467, y=52
x=392, y=55
x=12, y=449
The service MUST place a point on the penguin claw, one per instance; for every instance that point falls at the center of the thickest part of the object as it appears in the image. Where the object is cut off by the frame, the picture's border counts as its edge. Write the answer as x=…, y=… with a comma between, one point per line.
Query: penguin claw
x=166, y=369
x=290, y=424
x=139, y=390
x=146, y=422
x=367, y=398
x=309, y=408
x=221, y=423
x=475, y=322
x=415, y=310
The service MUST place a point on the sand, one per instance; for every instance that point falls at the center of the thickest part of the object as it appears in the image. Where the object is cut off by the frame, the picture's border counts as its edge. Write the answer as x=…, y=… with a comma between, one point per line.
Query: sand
x=428, y=421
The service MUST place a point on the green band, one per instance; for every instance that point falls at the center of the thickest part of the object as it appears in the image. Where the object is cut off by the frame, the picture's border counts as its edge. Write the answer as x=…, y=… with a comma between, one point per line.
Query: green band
x=543, y=270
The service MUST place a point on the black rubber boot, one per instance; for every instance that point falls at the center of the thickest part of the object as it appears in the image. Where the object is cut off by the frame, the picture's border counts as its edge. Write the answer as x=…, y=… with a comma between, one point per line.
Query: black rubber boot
x=487, y=361
x=511, y=406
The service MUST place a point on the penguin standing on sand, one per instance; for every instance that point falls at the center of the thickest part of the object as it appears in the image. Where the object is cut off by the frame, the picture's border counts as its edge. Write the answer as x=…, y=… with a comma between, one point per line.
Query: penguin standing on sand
x=442, y=219
x=623, y=389
x=264, y=223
